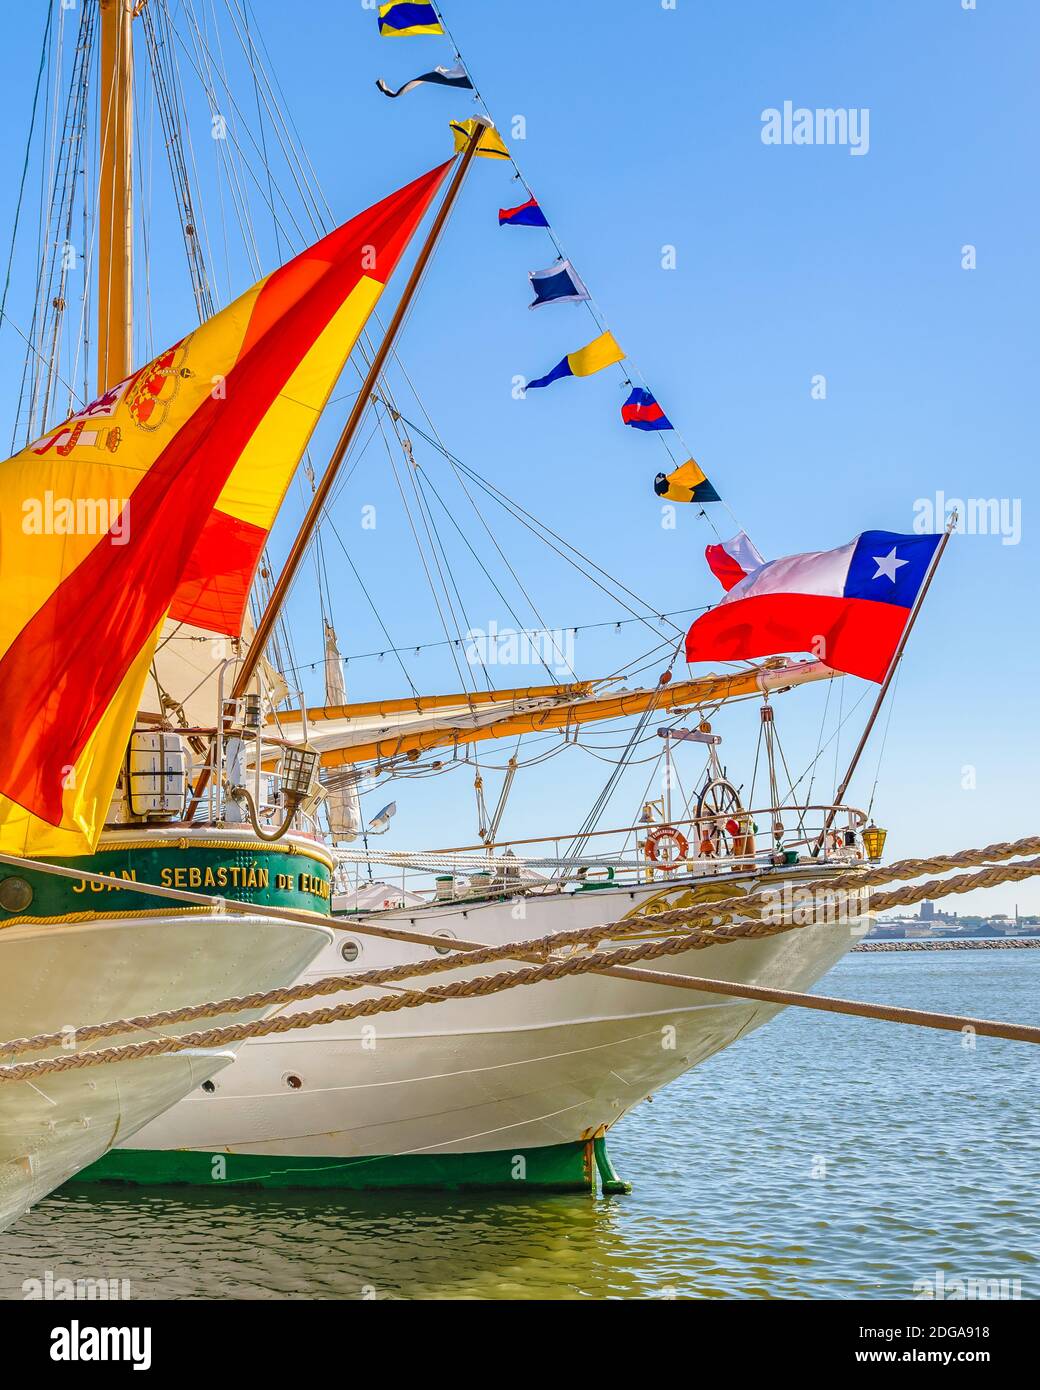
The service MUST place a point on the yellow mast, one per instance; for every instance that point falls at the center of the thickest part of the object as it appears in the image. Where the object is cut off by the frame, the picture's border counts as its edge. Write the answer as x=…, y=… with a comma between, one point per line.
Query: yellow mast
x=115, y=195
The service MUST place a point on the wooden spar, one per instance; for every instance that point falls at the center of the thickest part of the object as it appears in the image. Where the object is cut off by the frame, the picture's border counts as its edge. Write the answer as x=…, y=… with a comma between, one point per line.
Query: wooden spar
x=275, y=603
x=893, y=666
x=578, y=704
x=280, y=593
x=115, y=196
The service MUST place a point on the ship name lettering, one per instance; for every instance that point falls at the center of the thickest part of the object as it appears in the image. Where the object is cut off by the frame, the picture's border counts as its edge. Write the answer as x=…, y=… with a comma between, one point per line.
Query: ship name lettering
x=129, y=875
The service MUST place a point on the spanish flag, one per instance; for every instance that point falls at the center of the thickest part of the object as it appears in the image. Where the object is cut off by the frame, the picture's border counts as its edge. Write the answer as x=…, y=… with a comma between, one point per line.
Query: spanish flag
x=156, y=500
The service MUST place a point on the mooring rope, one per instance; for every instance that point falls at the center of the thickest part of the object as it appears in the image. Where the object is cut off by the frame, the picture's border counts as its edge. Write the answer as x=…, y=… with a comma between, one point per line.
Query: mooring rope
x=549, y=971
x=703, y=921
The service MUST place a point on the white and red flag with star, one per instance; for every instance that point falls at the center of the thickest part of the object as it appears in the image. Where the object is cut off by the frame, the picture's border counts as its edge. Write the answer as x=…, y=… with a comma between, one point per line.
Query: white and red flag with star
x=848, y=607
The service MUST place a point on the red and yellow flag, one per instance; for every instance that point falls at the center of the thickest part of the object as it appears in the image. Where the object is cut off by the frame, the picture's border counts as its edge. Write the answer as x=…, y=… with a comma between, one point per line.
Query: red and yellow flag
x=156, y=500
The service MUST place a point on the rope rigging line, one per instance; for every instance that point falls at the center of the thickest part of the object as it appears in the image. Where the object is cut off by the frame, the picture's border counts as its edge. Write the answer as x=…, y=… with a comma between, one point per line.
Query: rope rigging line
x=884, y=740
x=25, y=166
x=414, y=648
x=599, y=318
x=396, y=416
x=453, y=644
x=526, y=519
x=441, y=558
x=607, y=962
x=424, y=483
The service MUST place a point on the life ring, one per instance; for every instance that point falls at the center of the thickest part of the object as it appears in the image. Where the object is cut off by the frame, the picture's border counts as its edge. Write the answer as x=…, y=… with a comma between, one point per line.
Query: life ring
x=678, y=839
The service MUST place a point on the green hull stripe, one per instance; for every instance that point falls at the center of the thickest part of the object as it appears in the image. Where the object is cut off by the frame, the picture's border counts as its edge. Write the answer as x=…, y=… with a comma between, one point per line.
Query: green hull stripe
x=255, y=874
x=556, y=1168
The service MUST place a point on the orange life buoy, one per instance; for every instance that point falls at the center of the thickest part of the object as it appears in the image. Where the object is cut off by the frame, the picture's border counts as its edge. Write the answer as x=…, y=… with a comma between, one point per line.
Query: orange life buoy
x=678, y=839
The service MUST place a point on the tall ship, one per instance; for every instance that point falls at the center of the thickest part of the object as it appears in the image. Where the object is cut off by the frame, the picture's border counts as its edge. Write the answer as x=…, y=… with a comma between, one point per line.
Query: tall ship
x=169, y=738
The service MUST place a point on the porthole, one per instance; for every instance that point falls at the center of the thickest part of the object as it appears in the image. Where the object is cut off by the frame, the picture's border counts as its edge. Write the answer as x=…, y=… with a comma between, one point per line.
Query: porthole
x=15, y=894
x=444, y=950
x=350, y=951
x=292, y=1081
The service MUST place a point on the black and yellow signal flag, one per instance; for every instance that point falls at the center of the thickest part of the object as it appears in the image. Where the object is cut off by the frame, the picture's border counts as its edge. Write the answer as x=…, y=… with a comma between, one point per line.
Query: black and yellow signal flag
x=686, y=484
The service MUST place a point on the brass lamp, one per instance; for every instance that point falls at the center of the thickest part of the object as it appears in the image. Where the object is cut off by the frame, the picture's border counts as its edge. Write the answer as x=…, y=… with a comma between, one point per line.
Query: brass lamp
x=874, y=841
x=298, y=773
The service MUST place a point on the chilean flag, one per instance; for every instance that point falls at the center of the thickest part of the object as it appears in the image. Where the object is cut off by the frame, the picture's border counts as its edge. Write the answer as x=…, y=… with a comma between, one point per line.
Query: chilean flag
x=847, y=606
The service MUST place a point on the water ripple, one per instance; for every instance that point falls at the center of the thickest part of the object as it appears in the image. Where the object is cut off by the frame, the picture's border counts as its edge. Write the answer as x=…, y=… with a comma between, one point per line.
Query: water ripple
x=821, y=1157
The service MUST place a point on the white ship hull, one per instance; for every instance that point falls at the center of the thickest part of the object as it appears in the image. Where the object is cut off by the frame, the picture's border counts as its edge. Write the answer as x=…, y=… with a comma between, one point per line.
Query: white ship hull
x=68, y=974
x=495, y=1083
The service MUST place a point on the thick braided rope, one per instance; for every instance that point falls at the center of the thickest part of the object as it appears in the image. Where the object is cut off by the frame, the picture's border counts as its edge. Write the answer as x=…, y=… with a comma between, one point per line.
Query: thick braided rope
x=480, y=987
x=541, y=947
x=695, y=918
x=702, y=922
x=483, y=986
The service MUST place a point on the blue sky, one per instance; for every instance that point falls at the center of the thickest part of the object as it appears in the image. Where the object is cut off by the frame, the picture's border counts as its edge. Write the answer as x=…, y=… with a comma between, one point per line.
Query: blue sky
x=643, y=130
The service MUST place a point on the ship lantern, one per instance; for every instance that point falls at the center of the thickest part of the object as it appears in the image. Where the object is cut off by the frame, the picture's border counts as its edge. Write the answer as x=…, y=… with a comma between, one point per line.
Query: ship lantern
x=298, y=773
x=252, y=716
x=874, y=841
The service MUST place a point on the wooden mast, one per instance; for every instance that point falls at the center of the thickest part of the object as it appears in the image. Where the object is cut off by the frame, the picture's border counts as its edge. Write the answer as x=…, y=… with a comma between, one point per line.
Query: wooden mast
x=115, y=196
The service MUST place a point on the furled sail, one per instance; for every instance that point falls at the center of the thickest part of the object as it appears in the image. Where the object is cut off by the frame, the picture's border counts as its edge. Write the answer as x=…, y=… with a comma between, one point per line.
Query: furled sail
x=184, y=677
x=156, y=499
x=344, y=803
x=382, y=730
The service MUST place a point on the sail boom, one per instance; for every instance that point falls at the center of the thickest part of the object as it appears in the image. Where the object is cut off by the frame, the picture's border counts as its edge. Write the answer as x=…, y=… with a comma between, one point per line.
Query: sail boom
x=423, y=703
x=353, y=734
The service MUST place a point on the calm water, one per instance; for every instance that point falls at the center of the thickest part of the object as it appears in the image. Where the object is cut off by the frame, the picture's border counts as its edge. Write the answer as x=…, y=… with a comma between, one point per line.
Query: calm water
x=821, y=1157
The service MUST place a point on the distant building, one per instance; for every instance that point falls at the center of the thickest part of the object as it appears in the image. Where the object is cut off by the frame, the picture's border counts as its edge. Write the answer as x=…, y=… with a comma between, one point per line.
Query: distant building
x=927, y=912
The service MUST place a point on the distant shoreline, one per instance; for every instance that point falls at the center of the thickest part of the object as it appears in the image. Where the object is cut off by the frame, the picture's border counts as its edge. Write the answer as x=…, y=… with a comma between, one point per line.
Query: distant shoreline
x=976, y=943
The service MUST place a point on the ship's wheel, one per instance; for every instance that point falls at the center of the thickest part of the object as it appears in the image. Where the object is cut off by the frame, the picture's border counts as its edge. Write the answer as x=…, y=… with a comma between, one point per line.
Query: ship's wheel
x=719, y=813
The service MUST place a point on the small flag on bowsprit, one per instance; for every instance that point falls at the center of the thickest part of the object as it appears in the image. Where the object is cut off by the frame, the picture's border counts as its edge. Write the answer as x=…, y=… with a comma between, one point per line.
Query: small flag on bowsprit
x=559, y=284
x=439, y=77
x=527, y=214
x=642, y=412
